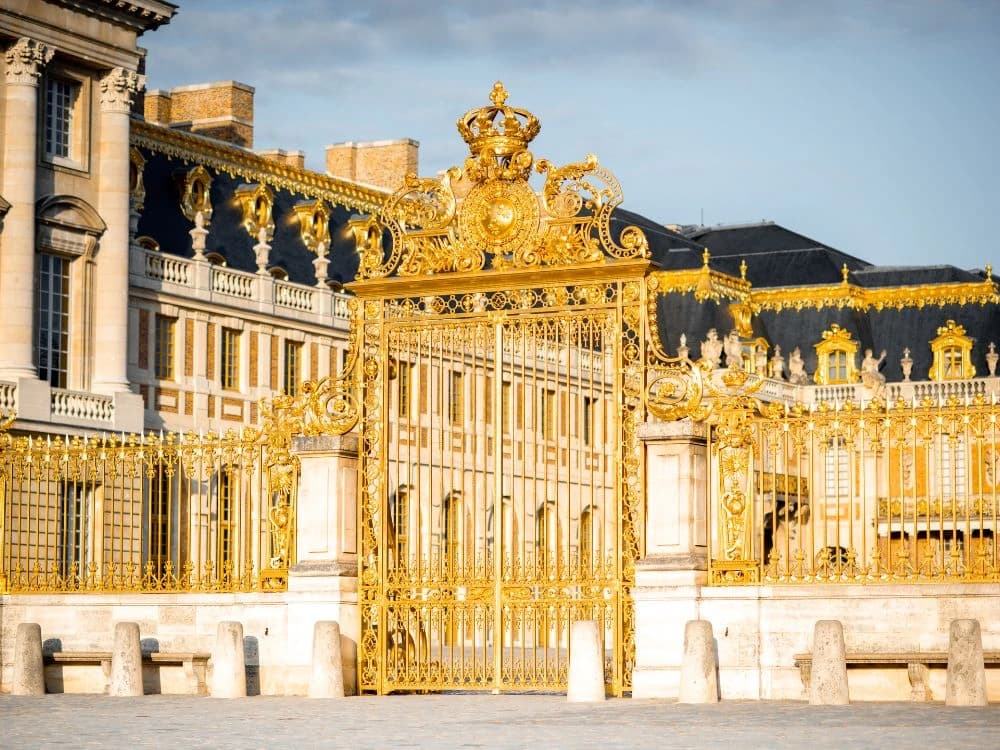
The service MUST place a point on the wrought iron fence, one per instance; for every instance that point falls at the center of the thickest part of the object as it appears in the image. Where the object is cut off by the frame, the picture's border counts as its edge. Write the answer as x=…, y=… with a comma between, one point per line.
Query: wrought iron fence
x=150, y=512
x=905, y=491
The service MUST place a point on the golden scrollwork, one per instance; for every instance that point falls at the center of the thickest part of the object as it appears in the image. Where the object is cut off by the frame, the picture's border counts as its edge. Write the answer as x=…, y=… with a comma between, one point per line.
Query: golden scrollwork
x=257, y=203
x=314, y=225
x=196, y=186
x=252, y=167
x=500, y=223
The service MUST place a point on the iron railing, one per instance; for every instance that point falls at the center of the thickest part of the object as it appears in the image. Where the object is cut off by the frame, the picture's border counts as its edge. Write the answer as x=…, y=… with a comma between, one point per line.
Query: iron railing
x=905, y=491
x=144, y=513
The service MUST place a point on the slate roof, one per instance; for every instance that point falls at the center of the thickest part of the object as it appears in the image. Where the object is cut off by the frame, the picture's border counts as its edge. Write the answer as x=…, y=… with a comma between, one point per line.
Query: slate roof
x=775, y=256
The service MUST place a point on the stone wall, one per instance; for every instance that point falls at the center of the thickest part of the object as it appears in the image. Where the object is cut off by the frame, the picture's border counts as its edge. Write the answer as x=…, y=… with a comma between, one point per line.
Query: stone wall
x=277, y=632
x=758, y=631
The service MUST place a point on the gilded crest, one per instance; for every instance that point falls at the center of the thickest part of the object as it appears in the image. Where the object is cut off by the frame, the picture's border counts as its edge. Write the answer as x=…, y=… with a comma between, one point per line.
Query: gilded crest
x=497, y=221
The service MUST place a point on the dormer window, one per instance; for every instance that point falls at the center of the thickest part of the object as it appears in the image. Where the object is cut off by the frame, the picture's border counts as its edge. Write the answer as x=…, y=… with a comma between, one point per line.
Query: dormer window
x=215, y=259
x=952, y=351
x=836, y=355
x=279, y=273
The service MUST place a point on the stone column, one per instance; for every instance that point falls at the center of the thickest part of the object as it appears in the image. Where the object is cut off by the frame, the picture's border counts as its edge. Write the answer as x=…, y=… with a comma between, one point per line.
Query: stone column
x=669, y=578
x=323, y=584
x=111, y=289
x=25, y=60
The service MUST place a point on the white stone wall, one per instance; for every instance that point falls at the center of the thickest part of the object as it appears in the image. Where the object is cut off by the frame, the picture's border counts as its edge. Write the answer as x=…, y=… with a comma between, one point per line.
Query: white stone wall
x=277, y=631
x=758, y=631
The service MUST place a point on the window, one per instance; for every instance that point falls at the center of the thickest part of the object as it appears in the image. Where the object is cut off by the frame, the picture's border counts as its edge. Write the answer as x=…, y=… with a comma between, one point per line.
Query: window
x=836, y=367
x=952, y=351
x=456, y=398
x=73, y=523
x=64, y=126
x=164, y=351
x=405, y=388
x=548, y=414
x=60, y=101
x=835, y=356
x=52, y=319
x=230, y=367
x=159, y=519
x=588, y=420
x=227, y=497
x=837, y=470
x=505, y=406
x=953, y=468
x=293, y=367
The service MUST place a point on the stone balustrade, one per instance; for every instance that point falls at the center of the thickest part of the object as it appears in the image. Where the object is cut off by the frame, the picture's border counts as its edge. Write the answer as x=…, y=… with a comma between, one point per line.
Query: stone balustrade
x=77, y=406
x=36, y=401
x=200, y=281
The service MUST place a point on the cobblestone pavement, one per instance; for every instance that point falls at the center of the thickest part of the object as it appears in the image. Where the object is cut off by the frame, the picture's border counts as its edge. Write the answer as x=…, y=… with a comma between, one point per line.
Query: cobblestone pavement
x=482, y=721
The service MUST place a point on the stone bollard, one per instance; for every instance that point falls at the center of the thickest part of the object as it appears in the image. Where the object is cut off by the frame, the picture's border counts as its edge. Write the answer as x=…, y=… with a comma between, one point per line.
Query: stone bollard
x=828, y=686
x=29, y=671
x=229, y=672
x=586, y=663
x=327, y=679
x=126, y=661
x=966, y=682
x=699, y=678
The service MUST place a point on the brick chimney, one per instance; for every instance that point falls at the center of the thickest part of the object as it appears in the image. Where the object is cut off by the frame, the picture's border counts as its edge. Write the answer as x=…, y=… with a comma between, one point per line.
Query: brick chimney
x=383, y=164
x=295, y=159
x=222, y=110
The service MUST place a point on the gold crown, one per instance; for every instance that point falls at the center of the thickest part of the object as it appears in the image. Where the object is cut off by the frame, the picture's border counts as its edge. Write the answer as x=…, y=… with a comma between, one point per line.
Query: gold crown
x=500, y=129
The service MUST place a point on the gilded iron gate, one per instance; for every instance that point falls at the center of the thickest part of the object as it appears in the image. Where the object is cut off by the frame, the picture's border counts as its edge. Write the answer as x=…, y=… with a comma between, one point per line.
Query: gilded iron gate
x=503, y=364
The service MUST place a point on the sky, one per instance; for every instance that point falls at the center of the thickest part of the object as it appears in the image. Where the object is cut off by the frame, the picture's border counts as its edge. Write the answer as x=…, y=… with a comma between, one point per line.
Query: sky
x=868, y=126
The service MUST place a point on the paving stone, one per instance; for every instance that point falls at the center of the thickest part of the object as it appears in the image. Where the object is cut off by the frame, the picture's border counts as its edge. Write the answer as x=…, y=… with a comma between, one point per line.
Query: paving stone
x=498, y=722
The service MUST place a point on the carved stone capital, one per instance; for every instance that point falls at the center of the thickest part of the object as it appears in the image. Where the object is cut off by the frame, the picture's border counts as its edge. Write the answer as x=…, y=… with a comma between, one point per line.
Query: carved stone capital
x=117, y=89
x=25, y=60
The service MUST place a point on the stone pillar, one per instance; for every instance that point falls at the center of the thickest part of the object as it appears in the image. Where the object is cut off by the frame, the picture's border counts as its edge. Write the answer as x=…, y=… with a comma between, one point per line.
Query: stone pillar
x=25, y=60
x=828, y=684
x=966, y=681
x=327, y=680
x=29, y=671
x=111, y=289
x=699, y=681
x=669, y=578
x=586, y=663
x=229, y=672
x=126, y=661
x=323, y=584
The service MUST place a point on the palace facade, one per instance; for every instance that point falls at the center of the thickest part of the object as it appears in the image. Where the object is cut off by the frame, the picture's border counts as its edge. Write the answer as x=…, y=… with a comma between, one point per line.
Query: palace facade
x=632, y=422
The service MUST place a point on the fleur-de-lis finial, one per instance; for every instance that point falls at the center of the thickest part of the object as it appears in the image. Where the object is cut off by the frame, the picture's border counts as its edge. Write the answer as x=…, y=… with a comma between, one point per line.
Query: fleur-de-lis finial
x=499, y=94
x=704, y=257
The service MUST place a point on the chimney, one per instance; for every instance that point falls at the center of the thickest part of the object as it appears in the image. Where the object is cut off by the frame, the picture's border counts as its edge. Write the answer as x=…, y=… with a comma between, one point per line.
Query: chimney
x=296, y=159
x=382, y=164
x=222, y=110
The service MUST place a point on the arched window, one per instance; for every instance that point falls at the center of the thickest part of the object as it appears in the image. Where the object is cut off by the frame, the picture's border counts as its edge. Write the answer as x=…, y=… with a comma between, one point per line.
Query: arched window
x=952, y=351
x=66, y=242
x=835, y=357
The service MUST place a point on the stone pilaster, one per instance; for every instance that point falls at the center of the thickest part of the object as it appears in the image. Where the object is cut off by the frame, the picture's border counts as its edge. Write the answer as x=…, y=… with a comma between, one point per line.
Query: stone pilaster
x=111, y=300
x=669, y=579
x=323, y=584
x=25, y=60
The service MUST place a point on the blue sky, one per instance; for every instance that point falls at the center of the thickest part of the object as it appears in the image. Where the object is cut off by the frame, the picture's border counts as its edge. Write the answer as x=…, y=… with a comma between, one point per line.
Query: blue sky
x=871, y=127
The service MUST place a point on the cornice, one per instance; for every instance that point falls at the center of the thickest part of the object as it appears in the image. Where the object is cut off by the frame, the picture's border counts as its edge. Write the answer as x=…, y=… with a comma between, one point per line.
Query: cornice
x=253, y=168
x=141, y=15
x=705, y=284
x=873, y=298
x=718, y=286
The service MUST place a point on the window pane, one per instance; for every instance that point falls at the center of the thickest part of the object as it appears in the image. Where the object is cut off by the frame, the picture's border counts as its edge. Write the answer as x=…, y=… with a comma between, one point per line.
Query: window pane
x=52, y=319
